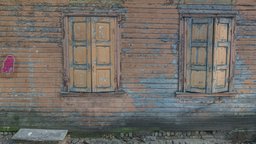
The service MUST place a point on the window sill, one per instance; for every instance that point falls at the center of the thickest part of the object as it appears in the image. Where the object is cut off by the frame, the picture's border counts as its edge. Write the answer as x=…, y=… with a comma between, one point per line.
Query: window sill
x=96, y=94
x=197, y=95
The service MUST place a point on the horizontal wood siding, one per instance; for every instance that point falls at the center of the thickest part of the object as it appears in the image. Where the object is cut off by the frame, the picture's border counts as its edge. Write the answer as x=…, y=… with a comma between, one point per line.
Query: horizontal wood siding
x=149, y=39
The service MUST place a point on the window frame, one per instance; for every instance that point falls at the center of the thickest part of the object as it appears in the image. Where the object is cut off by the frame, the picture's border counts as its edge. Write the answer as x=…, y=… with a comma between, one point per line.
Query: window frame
x=182, y=56
x=66, y=76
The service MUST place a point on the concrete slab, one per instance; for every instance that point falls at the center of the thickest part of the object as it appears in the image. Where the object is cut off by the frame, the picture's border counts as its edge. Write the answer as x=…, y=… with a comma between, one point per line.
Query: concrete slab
x=40, y=135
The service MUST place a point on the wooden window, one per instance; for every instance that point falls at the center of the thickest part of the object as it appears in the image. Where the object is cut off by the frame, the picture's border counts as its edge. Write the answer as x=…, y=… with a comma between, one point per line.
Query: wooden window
x=90, y=54
x=206, y=56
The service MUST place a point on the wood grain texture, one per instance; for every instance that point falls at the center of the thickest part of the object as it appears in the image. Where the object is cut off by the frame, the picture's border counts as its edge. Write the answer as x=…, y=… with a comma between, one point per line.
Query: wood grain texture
x=33, y=31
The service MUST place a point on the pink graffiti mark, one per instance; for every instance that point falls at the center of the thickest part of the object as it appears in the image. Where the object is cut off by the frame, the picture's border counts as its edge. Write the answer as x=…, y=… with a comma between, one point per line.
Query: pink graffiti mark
x=8, y=64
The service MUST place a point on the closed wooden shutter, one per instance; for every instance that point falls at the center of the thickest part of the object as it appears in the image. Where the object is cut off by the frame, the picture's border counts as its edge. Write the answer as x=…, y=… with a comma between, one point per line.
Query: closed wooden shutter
x=103, y=58
x=79, y=54
x=199, y=54
x=221, y=54
x=91, y=52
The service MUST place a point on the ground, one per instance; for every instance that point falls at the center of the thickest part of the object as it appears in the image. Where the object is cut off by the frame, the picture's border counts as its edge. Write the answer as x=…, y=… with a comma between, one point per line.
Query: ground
x=157, y=137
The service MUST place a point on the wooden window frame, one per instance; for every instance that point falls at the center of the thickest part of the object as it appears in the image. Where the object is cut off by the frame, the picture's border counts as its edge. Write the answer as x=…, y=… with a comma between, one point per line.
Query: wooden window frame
x=66, y=87
x=182, y=57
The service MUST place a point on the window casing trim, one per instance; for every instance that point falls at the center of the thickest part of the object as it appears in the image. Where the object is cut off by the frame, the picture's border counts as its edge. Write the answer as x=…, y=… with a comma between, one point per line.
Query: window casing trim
x=65, y=18
x=224, y=94
x=182, y=56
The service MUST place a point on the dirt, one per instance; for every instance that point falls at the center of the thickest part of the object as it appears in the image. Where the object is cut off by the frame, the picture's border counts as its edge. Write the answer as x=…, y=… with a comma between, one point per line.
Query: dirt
x=158, y=137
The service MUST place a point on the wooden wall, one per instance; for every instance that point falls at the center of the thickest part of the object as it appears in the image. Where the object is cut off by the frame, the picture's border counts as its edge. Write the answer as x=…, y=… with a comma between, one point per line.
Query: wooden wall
x=33, y=32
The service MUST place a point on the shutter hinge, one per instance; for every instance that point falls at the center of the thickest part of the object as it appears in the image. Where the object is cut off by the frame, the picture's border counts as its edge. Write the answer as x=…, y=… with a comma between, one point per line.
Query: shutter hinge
x=93, y=68
x=115, y=79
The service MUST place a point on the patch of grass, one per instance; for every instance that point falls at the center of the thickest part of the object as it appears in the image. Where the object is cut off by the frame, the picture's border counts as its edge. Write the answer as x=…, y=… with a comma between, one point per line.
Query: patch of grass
x=8, y=129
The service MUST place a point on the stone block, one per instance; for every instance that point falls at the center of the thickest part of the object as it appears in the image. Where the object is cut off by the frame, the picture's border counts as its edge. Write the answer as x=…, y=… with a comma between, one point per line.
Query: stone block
x=40, y=136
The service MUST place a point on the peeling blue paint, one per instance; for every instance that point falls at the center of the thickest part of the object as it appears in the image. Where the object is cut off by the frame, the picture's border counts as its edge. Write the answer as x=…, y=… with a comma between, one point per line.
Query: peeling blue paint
x=39, y=7
x=155, y=97
x=166, y=38
x=174, y=48
x=12, y=8
x=159, y=80
x=174, y=61
x=245, y=36
x=27, y=22
x=34, y=29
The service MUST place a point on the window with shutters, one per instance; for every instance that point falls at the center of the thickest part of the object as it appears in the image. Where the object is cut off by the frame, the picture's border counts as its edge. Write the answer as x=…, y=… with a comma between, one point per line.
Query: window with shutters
x=207, y=55
x=90, y=55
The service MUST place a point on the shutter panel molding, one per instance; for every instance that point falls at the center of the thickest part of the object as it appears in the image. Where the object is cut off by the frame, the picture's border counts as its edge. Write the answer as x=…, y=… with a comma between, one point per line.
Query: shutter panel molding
x=206, y=55
x=91, y=54
x=198, y=54
x=222, y=49
x=103, y=54
x=79, y=54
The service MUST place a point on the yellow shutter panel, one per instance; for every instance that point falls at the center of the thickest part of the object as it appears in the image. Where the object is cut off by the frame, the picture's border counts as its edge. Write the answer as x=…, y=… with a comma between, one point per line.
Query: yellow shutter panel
x=103, y=58
x=198, y=54
x=222, y=43
x=79, y=54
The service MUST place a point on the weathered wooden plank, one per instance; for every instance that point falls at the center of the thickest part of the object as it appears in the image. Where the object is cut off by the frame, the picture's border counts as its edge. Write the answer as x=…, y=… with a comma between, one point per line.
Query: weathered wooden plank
x=132, y=45
x=149, y=5
x=30, y=44
x=29, y=19
x=28, y=50
x=153, y=20
x=141, y=75
x=30, y=29
x=31, y=89
x=25, y=7
x=209, y=7
x=38, y=70
x=148, y=56
x=156, y=80
x=153, y=15
x=241, y=33
x=26, y=80
x=248, y=28
x=150, y=31
x=29, y=85
x=245, y=8
x=145, y=71
x=148, y=61
x=30, y=14
x=148, y=42
x=39, y=60
x=146, y=1
x=28, y=2
x=149, y=86
x=30, y=34
x=214, y=2
x=245, y=42
x=153, y=10
x=36, y=55
x=147, y=25
x=163, y=37
x=30, y=24
x=147, y=51
x=245, y=2
x=30, y=39
x=146, y=66
x=246, y=23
